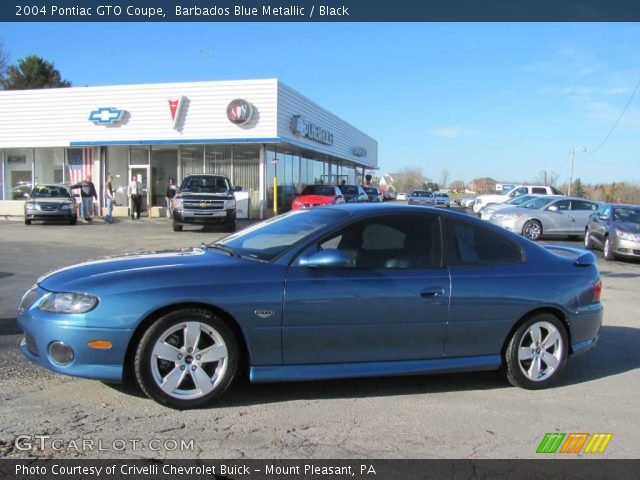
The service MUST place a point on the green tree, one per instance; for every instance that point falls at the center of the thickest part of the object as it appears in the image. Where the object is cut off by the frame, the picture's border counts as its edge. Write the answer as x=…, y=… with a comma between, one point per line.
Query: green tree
x=577, y=190
x=4, y=60
x=33, y=72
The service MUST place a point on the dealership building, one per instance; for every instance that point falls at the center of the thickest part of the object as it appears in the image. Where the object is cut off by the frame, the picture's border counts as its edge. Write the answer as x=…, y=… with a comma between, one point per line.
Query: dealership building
x=252, y=131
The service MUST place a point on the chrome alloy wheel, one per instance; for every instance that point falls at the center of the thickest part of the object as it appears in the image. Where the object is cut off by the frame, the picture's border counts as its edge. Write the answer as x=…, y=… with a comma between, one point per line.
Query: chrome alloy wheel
x=540, y=351
x=532, y=230
x=189, y=360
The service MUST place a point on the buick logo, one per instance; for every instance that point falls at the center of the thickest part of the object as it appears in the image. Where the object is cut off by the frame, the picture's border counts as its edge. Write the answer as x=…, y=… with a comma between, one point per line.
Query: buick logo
x=239, y=111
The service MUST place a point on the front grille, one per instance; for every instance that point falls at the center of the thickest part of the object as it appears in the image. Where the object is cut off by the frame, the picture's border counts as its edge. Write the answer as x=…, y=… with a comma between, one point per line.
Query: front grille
x=48, y=207
x=203, y=204
x=30, y=342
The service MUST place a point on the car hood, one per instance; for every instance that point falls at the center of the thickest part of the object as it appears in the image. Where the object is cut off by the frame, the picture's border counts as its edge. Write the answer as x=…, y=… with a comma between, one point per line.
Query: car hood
x=131, y=266
x=510, y=210
x=316, y=198
x=51, y=200
x=627, y=227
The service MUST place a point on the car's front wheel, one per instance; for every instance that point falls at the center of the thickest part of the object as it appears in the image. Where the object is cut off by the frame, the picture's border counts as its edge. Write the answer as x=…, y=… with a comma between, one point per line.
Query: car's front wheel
x=607, y=250
x=532, y=230
x=27, y=221
x=588, y=243
x=187, y=358
x=537, y=352
x=177, y=227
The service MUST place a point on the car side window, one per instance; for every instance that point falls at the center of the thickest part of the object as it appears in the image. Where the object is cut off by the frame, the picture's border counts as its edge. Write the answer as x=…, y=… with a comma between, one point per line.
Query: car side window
x=563, y=205
x=607, y=212
x=522, y=191
x=602, y=209
x=582, y=205
x=393, y=242
x=539, y=190
x=471, y=245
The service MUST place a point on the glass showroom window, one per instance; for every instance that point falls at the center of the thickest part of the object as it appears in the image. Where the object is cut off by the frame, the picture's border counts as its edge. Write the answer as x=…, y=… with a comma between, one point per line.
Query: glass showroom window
x=118, y=167
x=218, y=160
x=49, y=166
x=18, y=173
x=246, y=166
x=192, y=160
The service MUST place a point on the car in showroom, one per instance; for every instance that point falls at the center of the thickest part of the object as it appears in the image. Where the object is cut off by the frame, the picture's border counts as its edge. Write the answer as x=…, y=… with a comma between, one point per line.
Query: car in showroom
x=374, y=194
x=548, y=215
x=489, y=199
x=307, y=296
x=442, y=199
x=50, y=202
x=353, y=194
x=615, y=229
x=422, y=197
x=316, y=195
x=205, y=199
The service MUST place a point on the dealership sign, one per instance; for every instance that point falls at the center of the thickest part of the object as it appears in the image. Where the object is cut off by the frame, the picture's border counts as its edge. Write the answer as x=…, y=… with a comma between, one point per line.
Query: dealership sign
x=106, y=116
x=360, y=151
x=175, y=109
x=239, y=111
x=302, y=127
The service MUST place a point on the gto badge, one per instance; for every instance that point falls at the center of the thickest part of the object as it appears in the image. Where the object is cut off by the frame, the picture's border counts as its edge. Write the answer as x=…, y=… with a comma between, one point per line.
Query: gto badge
x=264, y=313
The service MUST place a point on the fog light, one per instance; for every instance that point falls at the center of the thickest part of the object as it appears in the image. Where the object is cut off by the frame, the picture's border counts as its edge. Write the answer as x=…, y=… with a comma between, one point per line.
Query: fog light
x=60, y=353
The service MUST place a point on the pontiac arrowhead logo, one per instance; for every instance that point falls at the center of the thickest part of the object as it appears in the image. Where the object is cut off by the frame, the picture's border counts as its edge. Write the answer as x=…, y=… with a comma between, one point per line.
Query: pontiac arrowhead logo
x=175, y=108
x=106, y=116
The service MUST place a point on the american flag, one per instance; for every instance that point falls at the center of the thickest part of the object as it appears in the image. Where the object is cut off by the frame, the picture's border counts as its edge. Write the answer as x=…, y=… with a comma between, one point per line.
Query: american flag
x=80, y=161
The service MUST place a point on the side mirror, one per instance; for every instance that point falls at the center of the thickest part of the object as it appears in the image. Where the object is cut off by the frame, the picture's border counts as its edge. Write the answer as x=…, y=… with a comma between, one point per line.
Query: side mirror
x=603, y=217
x=553, y=208
x=329, y=258
x=237, y=189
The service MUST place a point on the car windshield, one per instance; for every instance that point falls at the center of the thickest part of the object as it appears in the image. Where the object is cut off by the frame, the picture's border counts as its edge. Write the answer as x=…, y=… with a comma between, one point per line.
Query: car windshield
x=50, y=191
x=628, y=215
x=266, y=240
x=443, y=195
x=205, y=184
x=325, y=190
x=422, y=194
x=520, y=200
x=536, y=203
x=371, y=190
x=349, y=189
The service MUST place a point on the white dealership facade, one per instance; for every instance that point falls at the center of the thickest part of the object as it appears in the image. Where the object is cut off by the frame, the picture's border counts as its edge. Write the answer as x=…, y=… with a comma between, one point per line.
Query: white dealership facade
x=249, y=130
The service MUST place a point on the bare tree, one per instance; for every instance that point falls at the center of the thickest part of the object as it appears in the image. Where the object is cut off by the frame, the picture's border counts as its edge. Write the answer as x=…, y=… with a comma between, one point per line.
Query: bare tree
x=4, y=61
x=546, y=177
x=445, y=177
x=410, y=178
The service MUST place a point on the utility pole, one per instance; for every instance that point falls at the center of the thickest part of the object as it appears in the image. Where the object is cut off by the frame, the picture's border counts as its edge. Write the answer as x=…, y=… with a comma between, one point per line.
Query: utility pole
x=573, y=156
x=545, y=178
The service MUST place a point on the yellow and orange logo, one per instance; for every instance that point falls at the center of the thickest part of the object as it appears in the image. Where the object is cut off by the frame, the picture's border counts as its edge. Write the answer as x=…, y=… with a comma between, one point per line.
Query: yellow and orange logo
x=574, y=443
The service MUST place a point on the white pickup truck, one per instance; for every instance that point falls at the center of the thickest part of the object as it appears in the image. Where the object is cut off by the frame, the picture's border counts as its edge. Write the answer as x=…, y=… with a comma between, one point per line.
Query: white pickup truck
x=484, y=200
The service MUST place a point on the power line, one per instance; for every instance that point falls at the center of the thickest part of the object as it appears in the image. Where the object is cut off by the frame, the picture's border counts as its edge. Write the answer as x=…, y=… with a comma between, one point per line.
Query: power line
x=616, y=123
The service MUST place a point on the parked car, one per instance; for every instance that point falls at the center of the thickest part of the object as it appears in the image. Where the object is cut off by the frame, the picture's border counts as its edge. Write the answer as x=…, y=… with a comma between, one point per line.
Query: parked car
x=401, y=196
x=467, y=202
x=353, y=194
x=422, y=197
x=205, y=199
x=374, y=194
x=315, y=195
x=484, y=200
x=489, y=210
x=442, y=199
x=21, y=191
x=50, y=202
x=389, y=195
x=615, y=228
x=465, y=295
x=547, y=215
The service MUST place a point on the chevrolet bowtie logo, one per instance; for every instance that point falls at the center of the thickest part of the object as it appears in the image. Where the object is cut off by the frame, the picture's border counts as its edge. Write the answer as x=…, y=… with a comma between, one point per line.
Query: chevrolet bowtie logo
x=106, y=116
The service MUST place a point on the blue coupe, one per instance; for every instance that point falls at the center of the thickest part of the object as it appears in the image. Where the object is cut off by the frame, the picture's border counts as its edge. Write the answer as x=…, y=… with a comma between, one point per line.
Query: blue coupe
x=330, y=292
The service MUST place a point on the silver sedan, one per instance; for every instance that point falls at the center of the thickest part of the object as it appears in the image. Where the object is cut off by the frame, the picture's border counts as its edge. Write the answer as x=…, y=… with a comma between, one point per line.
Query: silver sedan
x=422, y=197
x=547, y=215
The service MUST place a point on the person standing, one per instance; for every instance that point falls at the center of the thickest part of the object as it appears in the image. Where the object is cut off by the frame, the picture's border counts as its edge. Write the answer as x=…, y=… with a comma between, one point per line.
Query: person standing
x=134, y=191
x=87, y=194
x=109, y=197
x=171, y=192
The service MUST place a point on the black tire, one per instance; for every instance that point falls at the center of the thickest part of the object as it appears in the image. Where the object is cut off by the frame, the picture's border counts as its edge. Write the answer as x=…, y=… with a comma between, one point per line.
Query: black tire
x=532, y=230
x=607, y=251
x=513, y=365
x=27, y=221
x=177, y=227
x=588, y=243
x=231, y=227
x=73, y=221
x=145, y=370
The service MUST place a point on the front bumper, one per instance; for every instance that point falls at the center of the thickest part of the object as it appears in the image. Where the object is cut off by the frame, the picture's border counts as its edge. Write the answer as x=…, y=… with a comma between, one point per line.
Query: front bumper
x=625, y=248
x=42, y=328
x=50, y=215
x=203, y=217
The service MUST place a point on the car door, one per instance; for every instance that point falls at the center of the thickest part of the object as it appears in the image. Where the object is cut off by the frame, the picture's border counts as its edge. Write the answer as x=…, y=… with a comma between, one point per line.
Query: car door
x=557, y=219
x=581, y=211
x=600, y=223
x=390, y=303
x=488, y=283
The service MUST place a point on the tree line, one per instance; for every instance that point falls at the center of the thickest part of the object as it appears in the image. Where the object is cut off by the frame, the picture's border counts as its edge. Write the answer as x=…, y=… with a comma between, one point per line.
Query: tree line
x=31, y=71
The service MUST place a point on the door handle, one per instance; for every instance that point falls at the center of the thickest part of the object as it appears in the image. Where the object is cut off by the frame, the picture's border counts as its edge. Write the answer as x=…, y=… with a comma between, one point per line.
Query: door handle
x=432, y=292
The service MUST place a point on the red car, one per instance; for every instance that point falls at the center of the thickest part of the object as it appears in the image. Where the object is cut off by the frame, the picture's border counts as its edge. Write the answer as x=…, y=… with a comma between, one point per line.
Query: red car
x=315, y=195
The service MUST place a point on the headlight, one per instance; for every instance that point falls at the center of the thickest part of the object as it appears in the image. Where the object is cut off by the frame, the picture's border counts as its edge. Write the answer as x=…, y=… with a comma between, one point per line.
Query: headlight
x=177, y=202
x=507, y=217
x=65, y=206
x=68, y=302
x=230, y=204
x=32, y=206
x=626, y=235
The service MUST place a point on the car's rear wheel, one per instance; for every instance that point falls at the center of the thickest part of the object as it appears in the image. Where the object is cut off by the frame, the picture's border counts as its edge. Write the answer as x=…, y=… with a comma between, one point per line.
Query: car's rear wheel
x=607, y=250
x=537, y=352
x=186, y=359
x=532, y=230
x=177, y=227
x=588, y=243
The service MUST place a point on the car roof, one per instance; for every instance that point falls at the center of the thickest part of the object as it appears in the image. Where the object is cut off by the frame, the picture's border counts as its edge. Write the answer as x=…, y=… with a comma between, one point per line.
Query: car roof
x=621, y=205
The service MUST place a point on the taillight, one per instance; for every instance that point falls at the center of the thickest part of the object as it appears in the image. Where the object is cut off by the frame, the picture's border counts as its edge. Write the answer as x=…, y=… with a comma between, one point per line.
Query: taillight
x=597, y=290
